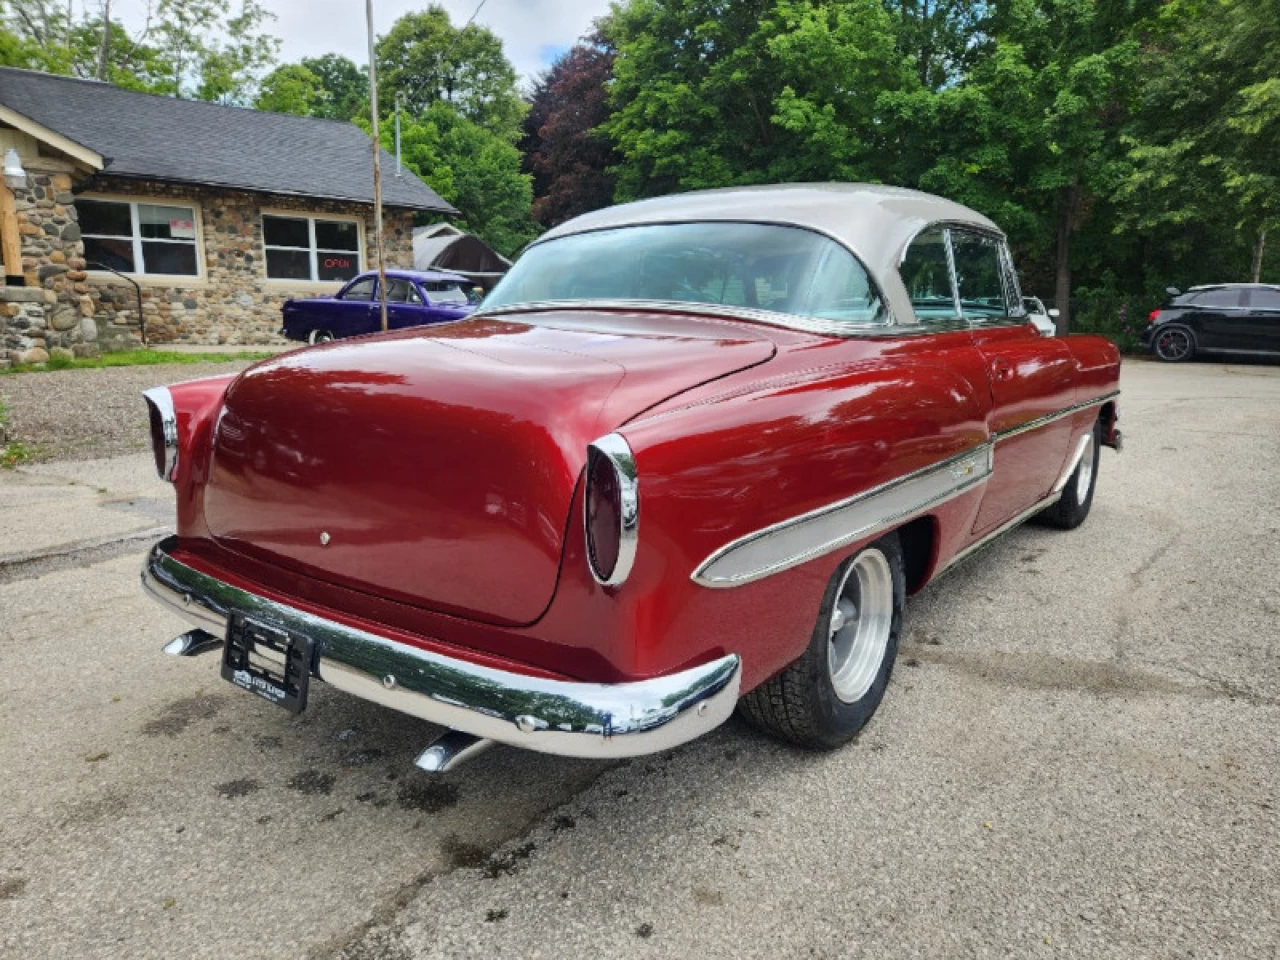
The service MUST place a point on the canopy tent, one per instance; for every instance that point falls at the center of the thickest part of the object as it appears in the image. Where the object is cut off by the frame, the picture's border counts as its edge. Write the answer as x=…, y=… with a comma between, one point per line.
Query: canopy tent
x=443, y=246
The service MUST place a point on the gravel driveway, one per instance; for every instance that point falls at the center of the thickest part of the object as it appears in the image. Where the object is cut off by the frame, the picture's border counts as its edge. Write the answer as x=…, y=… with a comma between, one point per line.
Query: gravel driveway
x=88, y=413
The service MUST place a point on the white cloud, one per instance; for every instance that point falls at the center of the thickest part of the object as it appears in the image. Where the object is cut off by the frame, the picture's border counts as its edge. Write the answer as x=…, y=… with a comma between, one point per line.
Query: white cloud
x=532, y=31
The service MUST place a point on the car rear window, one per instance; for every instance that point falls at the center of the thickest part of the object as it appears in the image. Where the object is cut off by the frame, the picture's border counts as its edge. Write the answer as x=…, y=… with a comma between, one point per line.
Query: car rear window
x=445, y=291
x=751, y=265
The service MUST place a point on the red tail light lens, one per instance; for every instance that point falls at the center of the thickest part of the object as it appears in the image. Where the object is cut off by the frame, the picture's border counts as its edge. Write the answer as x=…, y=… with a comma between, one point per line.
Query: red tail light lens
x=604, y=515
x=1153, y=316
x=612, y=509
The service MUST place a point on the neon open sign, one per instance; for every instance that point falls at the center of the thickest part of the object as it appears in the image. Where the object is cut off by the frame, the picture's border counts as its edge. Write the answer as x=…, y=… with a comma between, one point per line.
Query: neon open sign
x=337, y=262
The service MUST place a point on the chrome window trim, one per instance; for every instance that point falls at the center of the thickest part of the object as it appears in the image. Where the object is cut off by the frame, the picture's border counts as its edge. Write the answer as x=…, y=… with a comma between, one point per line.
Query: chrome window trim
x=1049, y=418
x=1013, y=287
x=828, y=528
x=955, y=277
x=829, y=328
x=162, y=400
x=614, y=448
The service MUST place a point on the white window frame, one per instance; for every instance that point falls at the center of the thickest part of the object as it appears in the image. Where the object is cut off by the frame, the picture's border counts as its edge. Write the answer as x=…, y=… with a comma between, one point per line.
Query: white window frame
x=312, y=250
x=137, y=239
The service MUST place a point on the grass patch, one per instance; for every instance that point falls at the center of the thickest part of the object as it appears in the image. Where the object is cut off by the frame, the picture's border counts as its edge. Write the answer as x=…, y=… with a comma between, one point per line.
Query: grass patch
x=137, y=358
x=13, y=453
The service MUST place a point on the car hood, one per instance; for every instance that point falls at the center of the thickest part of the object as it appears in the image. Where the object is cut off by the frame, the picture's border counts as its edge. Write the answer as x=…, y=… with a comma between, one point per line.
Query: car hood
x=436, y=466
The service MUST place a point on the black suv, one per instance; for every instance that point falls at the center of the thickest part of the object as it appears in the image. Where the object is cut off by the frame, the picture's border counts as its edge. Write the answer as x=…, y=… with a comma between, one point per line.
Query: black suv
x=1219, y=318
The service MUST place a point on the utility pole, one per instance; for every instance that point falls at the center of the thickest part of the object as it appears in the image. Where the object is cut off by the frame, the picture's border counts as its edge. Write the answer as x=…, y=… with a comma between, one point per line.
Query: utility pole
x=104, y=47
x=377, y=168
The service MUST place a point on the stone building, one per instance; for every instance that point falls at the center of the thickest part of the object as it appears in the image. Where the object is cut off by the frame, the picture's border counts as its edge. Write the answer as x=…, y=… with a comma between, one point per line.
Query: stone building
x=209, y=216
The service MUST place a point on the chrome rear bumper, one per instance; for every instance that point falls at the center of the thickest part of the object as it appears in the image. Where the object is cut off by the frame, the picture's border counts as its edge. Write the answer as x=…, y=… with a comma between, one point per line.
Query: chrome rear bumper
x=572, y=719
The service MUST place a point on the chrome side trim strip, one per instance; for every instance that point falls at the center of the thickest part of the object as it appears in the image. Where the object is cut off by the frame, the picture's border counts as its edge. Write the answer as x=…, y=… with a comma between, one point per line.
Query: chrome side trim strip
x=1049, y=418
x=998, y=532
x=617, y=451
x=799, y=539
x=161, y=401
x=830, y=328
x=562, y=717
x=1061, y=483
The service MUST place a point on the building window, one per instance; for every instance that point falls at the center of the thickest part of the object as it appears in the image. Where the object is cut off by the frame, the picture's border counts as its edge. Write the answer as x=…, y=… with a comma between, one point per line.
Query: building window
x=310, y=248
x=144, y=238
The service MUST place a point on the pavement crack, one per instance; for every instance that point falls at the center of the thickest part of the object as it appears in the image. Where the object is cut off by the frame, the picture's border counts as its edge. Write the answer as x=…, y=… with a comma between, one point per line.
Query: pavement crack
x=376, y=935
x=82, y=553
x=1038, y=671
x=1137, y=580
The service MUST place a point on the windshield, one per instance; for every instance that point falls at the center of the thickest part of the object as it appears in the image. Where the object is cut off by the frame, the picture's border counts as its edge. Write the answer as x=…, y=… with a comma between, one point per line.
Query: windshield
x=752, y=265
x=445, y=291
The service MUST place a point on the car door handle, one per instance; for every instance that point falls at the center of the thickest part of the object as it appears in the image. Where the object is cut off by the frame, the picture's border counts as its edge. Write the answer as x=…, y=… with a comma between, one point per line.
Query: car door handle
x=1000, y=369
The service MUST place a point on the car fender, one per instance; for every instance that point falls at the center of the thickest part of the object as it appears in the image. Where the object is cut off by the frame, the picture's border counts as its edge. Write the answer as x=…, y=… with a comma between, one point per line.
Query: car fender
x=723, y=469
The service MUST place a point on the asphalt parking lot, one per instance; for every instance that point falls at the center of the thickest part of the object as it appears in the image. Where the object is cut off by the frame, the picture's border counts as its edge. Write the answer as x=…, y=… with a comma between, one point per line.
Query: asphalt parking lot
x=1078, y=757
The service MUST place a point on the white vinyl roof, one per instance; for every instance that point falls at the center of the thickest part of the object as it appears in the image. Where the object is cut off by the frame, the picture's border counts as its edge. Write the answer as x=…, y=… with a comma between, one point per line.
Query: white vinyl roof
x=875, y=222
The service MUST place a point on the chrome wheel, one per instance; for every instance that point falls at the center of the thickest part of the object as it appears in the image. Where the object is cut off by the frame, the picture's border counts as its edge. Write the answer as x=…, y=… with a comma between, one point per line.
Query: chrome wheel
x=1084, y=472
x=320, y=336
x=860, y=625
x=1173, y=345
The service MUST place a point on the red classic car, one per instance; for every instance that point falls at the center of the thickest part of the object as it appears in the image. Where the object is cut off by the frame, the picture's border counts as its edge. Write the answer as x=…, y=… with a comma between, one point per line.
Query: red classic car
x=692, y=453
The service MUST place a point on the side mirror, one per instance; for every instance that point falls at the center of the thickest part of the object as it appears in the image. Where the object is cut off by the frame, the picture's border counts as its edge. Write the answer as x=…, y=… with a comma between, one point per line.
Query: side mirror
x=1054, y=312
x=1046, y=327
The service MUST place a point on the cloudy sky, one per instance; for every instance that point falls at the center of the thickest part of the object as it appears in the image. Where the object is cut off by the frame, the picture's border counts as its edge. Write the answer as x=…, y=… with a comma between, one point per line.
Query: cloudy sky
x=533, y=31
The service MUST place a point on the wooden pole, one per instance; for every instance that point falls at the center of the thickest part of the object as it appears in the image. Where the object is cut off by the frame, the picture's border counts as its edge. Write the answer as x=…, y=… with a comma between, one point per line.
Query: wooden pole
x=377, y=168
x=10, y=240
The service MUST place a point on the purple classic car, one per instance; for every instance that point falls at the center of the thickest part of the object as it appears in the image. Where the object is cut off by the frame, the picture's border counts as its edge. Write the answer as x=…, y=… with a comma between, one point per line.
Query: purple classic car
x=414, y=298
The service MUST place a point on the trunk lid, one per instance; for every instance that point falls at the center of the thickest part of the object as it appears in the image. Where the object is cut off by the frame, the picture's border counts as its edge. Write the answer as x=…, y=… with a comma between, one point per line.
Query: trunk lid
x=436, y=467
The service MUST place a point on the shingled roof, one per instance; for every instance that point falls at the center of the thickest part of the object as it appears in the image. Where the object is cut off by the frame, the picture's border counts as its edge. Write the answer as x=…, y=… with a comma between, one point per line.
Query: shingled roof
x=155, y=137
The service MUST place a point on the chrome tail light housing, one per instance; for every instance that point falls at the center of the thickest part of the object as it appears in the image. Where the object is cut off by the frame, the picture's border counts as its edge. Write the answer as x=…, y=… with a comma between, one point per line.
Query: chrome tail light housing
x=164, y=430
x=612, y=504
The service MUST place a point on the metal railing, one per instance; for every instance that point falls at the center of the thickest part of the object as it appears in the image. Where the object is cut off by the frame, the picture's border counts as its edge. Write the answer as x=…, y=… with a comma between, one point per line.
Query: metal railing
x=137, y=289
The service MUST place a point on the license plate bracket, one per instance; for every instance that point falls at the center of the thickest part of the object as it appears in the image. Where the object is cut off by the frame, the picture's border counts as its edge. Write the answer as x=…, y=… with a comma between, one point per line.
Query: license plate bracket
x=268, y=661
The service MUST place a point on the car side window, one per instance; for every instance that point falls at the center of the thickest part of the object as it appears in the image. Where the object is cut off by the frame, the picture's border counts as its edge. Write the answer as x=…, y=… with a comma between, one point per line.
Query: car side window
x=414, y=296
x=979, y=275
x=1263, y=299
x=926, y=274
x=362, y=289
x=1218, y=298
x=398, y=290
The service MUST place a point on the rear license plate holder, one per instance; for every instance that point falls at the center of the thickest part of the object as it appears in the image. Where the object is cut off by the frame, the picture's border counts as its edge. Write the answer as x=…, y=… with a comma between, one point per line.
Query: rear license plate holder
x=268, y=661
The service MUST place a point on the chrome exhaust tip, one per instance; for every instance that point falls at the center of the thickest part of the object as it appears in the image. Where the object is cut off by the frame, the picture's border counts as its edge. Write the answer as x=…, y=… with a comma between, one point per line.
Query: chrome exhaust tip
x=451, y=750
x=192, y=644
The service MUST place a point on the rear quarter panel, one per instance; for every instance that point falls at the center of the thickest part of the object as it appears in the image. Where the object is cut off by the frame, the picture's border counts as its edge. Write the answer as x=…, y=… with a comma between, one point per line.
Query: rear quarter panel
x=1098, y=360
x=718, y=470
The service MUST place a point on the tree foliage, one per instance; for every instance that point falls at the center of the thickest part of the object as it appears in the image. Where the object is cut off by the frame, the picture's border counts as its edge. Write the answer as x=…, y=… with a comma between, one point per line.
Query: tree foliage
x=425, y=59
x=345, y=86
x=564, y=144
x=474, y=169
x=204, y=49
x=1106, y=136
x=291, y=88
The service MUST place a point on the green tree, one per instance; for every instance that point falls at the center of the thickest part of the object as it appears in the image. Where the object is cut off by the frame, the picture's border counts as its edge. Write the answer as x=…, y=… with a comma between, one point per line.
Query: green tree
x=475, y=170
x=1205, y=182
x=203, y=48
x=424, y=59
x=345, y=85
x=291, y=88
x=943, y=38
x=763, y=90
